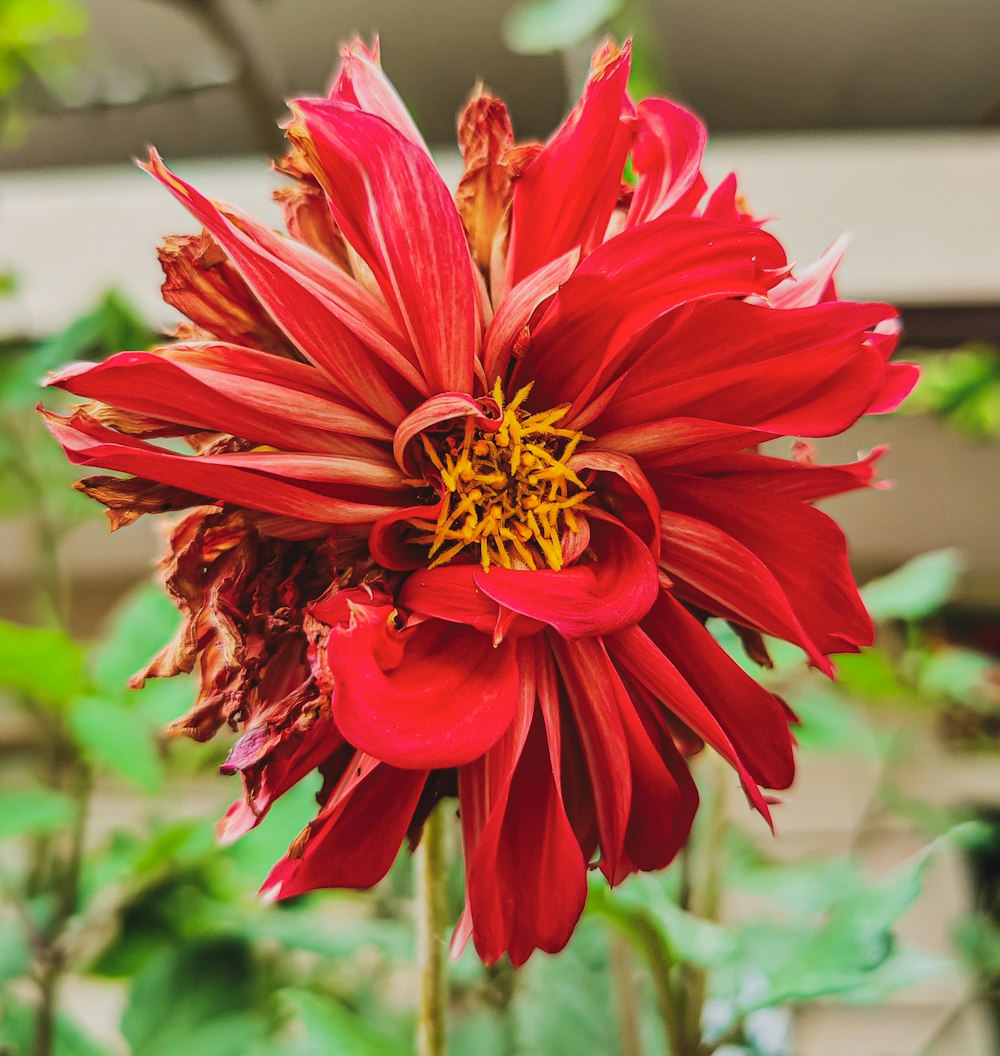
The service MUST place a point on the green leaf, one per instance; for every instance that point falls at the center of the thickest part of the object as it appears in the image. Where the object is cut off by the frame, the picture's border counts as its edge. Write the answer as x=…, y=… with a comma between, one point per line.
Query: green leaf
x=114, y=735
x=17, y=1033
x=537, y=27
x=42, y=662
x=199, y=998
x=917, y=589
x=870, y=674
x=111, y=327
x=957, y=674
x=34, y=811
x=144, y=622
x=319, y=1025
x=828, y=721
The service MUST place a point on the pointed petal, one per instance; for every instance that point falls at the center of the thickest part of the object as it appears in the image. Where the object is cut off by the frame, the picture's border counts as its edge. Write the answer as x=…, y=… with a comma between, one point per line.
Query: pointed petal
x=361, y=82
x=395, y=209
x=755, y=721
x=565, y=197
x=356, y=836
x=667, y=152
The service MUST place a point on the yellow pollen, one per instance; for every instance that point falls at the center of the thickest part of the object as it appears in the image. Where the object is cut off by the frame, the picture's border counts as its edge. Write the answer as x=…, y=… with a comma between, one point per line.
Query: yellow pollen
x=507, y=494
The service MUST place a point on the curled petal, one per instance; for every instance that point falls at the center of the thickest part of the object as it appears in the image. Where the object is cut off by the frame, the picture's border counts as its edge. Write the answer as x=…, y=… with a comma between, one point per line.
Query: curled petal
x=667, y=152
x=433, y=694
x=582, y=600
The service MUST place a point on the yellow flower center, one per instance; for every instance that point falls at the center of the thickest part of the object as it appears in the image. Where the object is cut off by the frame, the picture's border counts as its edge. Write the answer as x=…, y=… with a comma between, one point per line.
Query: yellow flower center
x=509, y=494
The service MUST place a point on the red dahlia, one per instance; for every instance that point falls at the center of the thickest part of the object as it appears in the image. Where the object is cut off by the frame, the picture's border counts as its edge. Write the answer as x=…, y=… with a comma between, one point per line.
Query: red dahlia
x=469, y=473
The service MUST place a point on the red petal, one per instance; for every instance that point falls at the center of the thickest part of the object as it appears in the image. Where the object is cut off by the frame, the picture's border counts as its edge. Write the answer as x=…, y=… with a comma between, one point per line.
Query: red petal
x=592, y=687
x=755, y=721
x=802, y=547
x=584, y=599
x=356, y=836
x=396, y=211
x=630, y=281
x=88, y=444
x=635, y=504
x=361, y=82
x=633, y=649
x=566, y=196
x=264, y=412
x=310, y=299
x=673, y=441
x=431, y=695
x=666, y=155
x=517, y=308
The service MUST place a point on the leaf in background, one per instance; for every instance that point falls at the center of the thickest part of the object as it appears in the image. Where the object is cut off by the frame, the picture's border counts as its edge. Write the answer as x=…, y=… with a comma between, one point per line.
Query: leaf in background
x=141, y=624
x=112, y=326
x=319, y=1025
x=113, y=735
x=34, y=811
x=917, y=589
x=961, y=387
x=199, y=998
x=828, y=721
x=958, y=674
x=41, y=662
x=870, y=675
x=538, y=27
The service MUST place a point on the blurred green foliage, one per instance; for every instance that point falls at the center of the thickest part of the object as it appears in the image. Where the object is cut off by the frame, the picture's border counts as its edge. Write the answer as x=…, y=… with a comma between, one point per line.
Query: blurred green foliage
x=111, y=878
x=962, y=388
x=36, y=38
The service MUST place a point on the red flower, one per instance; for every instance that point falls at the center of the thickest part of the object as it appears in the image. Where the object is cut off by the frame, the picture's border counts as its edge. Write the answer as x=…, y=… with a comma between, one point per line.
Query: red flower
x=472, y=478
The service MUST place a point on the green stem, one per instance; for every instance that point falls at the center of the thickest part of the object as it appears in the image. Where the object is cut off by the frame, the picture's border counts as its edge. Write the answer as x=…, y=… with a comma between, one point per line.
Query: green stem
x=431, y=1029
x=626, y=994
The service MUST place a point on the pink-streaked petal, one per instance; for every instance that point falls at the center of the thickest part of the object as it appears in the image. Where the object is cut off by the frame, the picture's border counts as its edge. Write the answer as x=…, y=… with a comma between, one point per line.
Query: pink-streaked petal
x=813, y=284
x=445, y=407
x=265, y=412
x=633, y=498
x=361, y=82
x=678, y=441
x=518, y=307
x=395, y=209
x=433, y=694
x=803, y=480
x=612, y=591
x=565, y=197
x=307, y=312
x=667, y=152
x=755, y=720
x=88, y=444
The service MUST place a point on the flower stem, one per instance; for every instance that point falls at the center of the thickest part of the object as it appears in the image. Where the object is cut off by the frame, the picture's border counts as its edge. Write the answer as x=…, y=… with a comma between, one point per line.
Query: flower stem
x=431, y=1031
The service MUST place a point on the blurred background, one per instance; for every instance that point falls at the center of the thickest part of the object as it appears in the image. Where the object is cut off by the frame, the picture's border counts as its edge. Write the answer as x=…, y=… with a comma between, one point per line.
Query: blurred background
x=872, y=922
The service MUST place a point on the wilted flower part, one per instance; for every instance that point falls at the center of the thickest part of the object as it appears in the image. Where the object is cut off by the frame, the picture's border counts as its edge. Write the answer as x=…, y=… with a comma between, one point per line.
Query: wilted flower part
x=470, y=475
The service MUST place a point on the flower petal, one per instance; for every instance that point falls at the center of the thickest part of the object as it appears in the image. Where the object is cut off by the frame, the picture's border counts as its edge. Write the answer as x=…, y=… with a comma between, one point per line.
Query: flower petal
x=666, y=155
x=355, y=837
x=433, y=694
x=583, y=599
x=362, y=82
x=627, y=283
x=565, y=197
x=395, y=209
x=755, y=720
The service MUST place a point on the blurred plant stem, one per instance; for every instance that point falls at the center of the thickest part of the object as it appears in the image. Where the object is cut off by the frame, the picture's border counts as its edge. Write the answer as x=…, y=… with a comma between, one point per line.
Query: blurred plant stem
x=431, y=922
x=626, y=995
x=53, y=876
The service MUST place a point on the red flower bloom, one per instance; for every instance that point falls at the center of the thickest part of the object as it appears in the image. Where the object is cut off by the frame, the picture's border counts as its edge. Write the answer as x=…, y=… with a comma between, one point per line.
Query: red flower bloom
x=472, y=477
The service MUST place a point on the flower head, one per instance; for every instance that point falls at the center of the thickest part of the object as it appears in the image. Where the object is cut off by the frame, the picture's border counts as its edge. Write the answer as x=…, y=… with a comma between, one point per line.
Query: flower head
x=468, y=475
